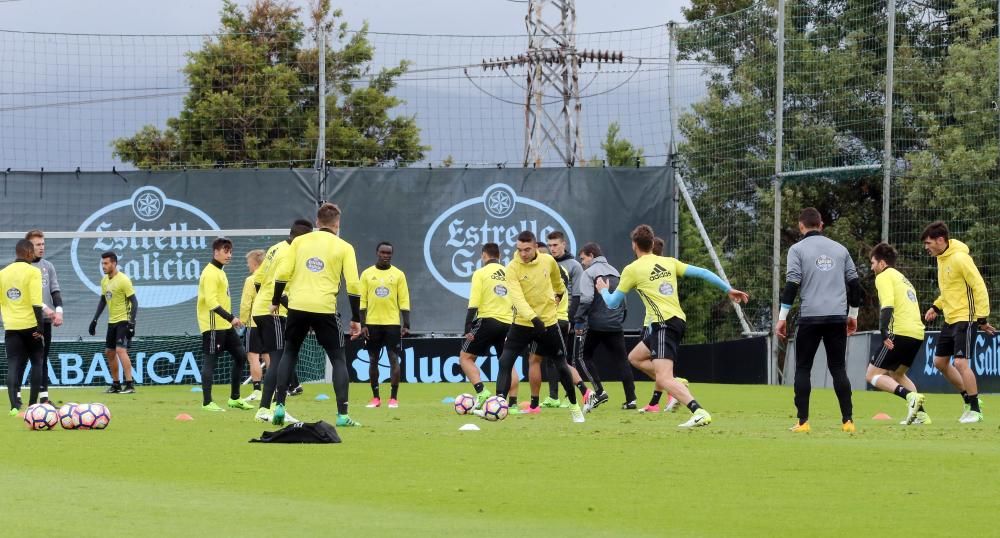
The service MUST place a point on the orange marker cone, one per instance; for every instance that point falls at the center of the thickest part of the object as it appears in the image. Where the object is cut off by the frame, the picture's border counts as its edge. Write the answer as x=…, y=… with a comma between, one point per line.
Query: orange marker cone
x=184, y=417
x=881, y=416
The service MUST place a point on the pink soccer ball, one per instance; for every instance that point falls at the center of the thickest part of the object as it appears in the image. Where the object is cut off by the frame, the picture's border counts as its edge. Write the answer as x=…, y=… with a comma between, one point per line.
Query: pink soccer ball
x=495, y=409
x=41, y=417
x=93, y=416
x=66, y=415
x=464, y=403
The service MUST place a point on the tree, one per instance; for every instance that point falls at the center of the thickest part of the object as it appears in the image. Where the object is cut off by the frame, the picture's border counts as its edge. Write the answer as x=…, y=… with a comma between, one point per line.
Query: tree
x=618, y=151
x=253, y=98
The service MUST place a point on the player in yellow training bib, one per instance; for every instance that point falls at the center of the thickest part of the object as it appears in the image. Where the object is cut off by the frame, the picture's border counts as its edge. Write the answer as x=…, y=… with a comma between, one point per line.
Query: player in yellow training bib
x=251, y=336
x=385, y=303
x=654, y=278
x=902, y=334
x=21, y=309
x=118, y=295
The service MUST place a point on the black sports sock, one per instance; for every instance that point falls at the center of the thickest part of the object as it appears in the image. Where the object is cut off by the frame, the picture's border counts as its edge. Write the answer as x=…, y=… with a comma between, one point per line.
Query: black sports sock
x=965, y=396
x=693, y=406
x=394, y=391
x=582, y=386
x=256, y=385
x=974, y=403
x=375, y=390
x=534, y=402
x=901, y=391
x=655, y=400
x=478, y=387
x=512, y=401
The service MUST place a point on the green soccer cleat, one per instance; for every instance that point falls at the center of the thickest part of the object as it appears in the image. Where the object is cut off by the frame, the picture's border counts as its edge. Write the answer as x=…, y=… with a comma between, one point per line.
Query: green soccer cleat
x=213, y=407
x=240, y=404
x=922, y=418
x=263, y=415
x=914, y=401
x=576, y=413
x=550, y=402
x=971, y=417
x=698, y=418
x=347, y=421
x=14, y=411
x=514, y=410
x=278, y=418
x=481, y=398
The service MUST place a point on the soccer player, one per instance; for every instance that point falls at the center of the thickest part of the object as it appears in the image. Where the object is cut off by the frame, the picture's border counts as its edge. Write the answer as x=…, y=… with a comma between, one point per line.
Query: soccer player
x=118, y=295
x=965, y=304
x=535, y=286
x=823, y=270
x=654, y=278
x=254, y=345
x=385, y=301
x=21, y=309
x=487, y=322
x=902, y=334
x=599, y=326
x=271, y=327
x=658, y=246
x=52, y=309
x=312, y=268
x=218, y=327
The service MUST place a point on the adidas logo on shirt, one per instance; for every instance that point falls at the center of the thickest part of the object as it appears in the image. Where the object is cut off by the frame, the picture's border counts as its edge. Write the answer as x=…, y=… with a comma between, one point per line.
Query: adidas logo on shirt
x=659, y=272
x=499, y=274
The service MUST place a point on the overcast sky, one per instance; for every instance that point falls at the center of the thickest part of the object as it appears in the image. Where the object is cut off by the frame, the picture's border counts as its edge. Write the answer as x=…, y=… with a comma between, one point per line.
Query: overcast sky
x=481, y=17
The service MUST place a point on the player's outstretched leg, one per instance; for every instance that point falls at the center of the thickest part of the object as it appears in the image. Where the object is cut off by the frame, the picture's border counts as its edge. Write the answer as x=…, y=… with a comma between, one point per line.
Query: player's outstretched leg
x=341, y=384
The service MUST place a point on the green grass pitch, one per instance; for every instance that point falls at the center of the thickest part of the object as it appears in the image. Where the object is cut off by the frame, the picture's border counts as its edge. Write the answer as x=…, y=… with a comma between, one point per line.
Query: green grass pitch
x=410, y=470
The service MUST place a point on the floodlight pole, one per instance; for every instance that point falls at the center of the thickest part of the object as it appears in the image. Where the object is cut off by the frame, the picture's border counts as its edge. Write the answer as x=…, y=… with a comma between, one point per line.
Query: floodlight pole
x=887, y=158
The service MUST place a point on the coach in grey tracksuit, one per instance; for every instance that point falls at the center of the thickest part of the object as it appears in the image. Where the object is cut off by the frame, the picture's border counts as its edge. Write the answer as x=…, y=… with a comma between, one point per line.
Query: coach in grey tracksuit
x=599, y=325
x=822, y=269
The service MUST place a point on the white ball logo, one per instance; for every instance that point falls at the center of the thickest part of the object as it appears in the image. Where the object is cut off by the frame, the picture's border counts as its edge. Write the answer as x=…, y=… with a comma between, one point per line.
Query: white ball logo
x=315, y=265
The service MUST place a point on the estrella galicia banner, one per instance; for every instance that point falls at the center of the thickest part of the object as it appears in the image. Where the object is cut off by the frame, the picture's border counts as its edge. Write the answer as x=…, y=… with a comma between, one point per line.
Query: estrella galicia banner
x=985, y=363
x=438, y=220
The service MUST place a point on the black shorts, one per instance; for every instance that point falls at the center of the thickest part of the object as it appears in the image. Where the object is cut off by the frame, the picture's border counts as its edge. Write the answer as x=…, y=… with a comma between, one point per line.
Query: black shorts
x=664, y=338
x=21, y=345
x=271, y=331
x=956, y=339
x=387, y=336
x=117, y=336
x=216, y=342
x=326, y=326
x=547, y=344
x=486, y=333
x=253, y=341
x=903, y=352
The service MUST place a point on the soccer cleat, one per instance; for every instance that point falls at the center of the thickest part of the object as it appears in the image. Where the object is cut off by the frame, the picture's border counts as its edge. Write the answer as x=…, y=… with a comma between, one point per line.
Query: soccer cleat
x=600, y=399
x=698, y=418
x=374, y=402
x=14, y=411
x=296, y=390
x=564, y=403
x=113, y=389
x=263, y=415
x=481, y=398
x=914, y=401
x=671, y=404
x=514, y=410
x=347, y=421
x=800, y=428
x=576, y=412
x=589, y=401
x=530, y=410
x=629, y=405
x=278, y=418
x=393, y=403
x=848, y=427
x=240, y=404
x=254, y=396
x=129, y=389
x=289, y=419
x=922, y=418
x=971, y=417
x=650, y=409
x=550, y=402
x=213, y=407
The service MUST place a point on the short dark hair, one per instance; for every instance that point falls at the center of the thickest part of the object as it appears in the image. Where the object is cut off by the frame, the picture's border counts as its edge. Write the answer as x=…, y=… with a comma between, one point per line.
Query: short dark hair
x=25, y=249
x=222, y=243
x=385, y=243
x=33, y=234
x=591, y=249
x=541, y=244
x=935, y=230
x=526, y=237
x=110, y=255
x=300, y=227
x=886, y=253
x=492, y=250
x=328, y=214
x=810, y=217
x=556, y=234
x=658, y=244
x=642, y=236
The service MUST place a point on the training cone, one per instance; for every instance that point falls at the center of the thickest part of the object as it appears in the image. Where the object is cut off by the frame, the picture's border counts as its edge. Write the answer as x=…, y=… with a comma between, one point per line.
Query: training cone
x=881, y=416
x=322, y=397
x=469, y=428
x=195, y=389
x=184, y=417
x=448, y=400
